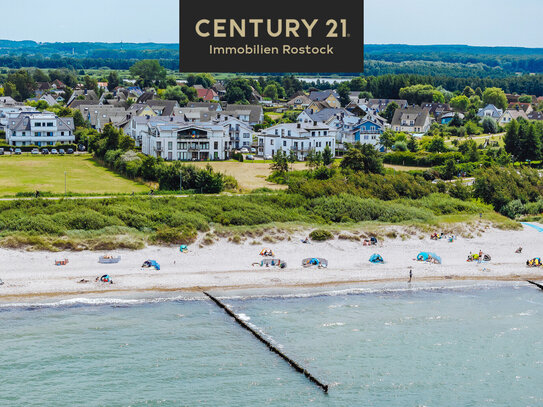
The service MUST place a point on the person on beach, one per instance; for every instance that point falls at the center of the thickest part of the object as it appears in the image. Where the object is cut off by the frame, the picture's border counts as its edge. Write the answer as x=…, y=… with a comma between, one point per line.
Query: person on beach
x=410, y=275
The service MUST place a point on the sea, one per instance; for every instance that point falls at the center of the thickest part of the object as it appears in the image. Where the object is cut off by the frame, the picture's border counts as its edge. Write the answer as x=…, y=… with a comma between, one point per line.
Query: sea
x=461, y=344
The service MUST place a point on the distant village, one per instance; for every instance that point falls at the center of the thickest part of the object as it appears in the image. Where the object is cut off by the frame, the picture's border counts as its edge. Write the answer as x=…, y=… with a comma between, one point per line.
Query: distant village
x=212, y=129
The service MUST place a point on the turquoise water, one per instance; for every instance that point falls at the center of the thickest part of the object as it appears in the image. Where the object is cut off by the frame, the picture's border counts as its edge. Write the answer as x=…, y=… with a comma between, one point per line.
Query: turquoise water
x=468, y=347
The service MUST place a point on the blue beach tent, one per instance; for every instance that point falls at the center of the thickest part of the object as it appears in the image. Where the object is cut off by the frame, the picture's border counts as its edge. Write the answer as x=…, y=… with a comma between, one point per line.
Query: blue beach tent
x=376, y=259
x=425, y=256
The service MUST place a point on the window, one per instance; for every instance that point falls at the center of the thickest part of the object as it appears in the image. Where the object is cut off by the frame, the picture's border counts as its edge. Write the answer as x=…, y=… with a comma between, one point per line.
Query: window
x=216, y=145
x=288, y=133
x=276, y=132
x=49, y=124
x=38, y=124
x=325, y=133
x=284, y=143
x=62, y=133
x=170, y=145
x=271, y=142
x=313, y=133
x=38, y=134
x=158, y=145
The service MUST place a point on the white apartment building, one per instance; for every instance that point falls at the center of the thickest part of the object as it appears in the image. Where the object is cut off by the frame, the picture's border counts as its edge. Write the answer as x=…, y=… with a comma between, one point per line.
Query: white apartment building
x=40, y=129
x=298, y=137
x=186, y=141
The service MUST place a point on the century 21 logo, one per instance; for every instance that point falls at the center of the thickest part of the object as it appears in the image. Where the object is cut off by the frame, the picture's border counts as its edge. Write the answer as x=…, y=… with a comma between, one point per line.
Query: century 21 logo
x=289, y=27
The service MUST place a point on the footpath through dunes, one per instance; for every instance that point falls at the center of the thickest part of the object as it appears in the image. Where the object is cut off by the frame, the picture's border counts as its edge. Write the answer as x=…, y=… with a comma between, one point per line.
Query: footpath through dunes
x=226, y=265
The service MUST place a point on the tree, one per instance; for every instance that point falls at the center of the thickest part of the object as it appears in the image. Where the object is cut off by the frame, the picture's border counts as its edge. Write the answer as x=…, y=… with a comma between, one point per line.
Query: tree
x=460, y=103
x=112, y=135
x=511, y=139
x=327, y=157
x=270, y=91
x=343, y=91
x=412, y=144
x=496, y=97
x=365, y=95
x=358, y=84
x=530, y=142
x=387, y=139
x=175, y=93
x=79, y=121
x=113, y=80
x=489, y=125
x=238, y=91
x=450, y=170
x=40, y=76
x=456, y=121
x=90, y=83
x=148, y=71
x=418, y=94
x=391, y=108
x=23, y=83
x=437, y=145
x=468, y=92
x=362, y=158
x=280, y=162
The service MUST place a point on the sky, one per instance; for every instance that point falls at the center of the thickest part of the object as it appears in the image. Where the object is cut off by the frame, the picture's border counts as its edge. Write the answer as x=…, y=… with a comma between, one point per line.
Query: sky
x=418, y=22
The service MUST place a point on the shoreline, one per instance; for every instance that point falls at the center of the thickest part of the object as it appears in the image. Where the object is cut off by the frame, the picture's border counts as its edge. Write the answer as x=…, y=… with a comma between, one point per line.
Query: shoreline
x=227, y=266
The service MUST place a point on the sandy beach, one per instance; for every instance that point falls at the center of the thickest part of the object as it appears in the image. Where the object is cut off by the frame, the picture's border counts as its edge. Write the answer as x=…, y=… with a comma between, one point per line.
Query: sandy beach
x=226, y=265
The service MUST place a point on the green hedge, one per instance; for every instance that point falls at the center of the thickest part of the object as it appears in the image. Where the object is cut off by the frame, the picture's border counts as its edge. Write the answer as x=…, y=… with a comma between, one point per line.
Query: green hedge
x=411, y=159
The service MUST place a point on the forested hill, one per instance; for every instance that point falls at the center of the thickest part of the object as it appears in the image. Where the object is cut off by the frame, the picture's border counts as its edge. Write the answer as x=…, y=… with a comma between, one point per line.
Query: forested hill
x=436, y=60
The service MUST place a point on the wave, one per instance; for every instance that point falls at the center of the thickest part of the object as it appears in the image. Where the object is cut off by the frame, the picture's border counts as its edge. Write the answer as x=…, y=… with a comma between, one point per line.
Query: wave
x=241, y=295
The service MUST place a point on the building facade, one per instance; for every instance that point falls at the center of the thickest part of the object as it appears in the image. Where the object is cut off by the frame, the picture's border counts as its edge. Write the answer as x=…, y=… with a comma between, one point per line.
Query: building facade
x=301, y=138
x=186, y=141
x=40, y=129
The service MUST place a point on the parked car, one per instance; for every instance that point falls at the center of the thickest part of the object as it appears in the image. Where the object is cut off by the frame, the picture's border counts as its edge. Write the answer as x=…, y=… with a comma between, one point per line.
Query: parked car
x=253, y=150
x=44, y=151
x=70, y=151
x=61, y=151
x=54, y=151
x=1, y=151
x=35, y=151
x=18, y=151
x=244, y=150
x=268, y=157
x=81, y=147
x=250, y=157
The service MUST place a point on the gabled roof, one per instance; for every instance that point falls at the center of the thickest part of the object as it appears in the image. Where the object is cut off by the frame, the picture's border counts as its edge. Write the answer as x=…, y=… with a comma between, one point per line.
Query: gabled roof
x=535, y=116
x=166, y=107
x=523, y=106
x=418, y=115
x=325, y=114
x=145, y=97
x=304, y=100
x=516, y=114
x=255, y=111
x=209, y=105
x=206, y=94
x=318, y=96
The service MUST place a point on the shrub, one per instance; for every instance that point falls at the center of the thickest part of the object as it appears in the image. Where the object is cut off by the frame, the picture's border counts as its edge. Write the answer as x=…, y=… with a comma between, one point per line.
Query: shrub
x=320, y=235
x=174, y=236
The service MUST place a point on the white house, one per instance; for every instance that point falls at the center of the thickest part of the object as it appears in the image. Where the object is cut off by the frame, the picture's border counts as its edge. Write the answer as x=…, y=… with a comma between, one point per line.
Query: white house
x=137, y=126
x=510, y=115
x=298, y=137
x=186, y=141
x=490, y=111
x=40, y=129
x=239, y=131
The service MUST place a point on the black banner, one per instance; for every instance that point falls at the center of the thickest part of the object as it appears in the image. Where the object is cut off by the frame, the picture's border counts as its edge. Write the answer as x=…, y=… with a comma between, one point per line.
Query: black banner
x=277, y=36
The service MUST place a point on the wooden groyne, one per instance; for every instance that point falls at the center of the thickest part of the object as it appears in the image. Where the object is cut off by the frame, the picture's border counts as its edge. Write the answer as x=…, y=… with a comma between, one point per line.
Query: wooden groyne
x=536, y=284
x=270, y=346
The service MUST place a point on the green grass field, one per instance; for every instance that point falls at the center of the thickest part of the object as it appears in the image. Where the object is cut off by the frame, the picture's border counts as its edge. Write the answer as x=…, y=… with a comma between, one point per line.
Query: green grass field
x=27, y=173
